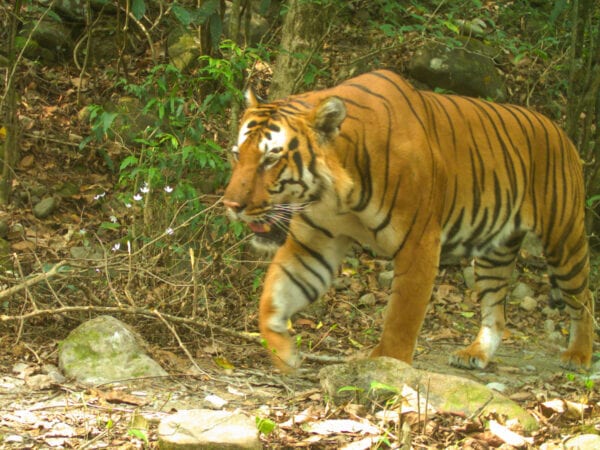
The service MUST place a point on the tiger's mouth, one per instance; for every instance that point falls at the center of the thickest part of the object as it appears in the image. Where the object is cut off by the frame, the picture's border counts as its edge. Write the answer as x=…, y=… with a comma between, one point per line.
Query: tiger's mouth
x=271, y=229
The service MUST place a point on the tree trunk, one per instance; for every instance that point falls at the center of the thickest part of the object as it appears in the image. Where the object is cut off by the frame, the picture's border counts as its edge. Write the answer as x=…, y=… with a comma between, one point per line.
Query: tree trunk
x=583, y=107
x=304, y=29
x=8, y=111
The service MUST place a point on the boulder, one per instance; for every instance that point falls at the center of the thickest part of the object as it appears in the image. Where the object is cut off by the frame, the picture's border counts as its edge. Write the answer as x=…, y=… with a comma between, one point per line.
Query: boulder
x=583, y=442
x=354, y=381
x=207, y=429
x=104, y=350
x=45, y=207
x=459, y=69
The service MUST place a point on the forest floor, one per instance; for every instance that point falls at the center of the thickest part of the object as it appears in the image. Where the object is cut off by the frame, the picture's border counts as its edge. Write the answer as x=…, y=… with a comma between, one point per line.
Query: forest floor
x=125, y=415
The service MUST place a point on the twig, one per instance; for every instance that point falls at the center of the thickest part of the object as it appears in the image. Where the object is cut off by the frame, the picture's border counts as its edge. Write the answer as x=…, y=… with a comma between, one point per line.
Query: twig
x=249, y=337
x=29, y=282
x=181, y=344
x=134, y=311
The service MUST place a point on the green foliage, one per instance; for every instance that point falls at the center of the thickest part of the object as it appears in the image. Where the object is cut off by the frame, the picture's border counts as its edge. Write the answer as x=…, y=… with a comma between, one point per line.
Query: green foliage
x=171, y=127
x=265, y=426
x=142, y=435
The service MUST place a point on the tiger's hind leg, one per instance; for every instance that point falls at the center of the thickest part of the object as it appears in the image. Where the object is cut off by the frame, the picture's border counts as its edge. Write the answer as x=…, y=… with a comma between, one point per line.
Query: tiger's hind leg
x=568, y=267
x=492, y=278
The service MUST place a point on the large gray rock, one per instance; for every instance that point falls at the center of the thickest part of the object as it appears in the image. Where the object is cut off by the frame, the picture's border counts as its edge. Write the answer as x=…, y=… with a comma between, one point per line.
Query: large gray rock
x=183, y=49
x=463, y=70
x=45, y=207
x=207, y=429
x=103, y=350
x=583, y=442
x=444, y=392
x=48, y=40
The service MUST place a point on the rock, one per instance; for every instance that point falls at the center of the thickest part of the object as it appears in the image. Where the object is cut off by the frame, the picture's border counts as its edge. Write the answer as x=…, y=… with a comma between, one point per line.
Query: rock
x=341, y=283
x=367, y=299
x=47, y=39
x=500, y=387
x=531, y=247
x=469, y=276
x=80, y=252
x=104, y=349
x=74, y=10
x=583, y=442
x=385, y=279
x=522, y=290
x=459, y=69
x=45, y=207
x=207, y=429
x=39, y=382
x=3, y=228
x=444, y=392
x=556, y=337
x=550, y=312
x=183, y=48
x=549, y=326
x=528, y=303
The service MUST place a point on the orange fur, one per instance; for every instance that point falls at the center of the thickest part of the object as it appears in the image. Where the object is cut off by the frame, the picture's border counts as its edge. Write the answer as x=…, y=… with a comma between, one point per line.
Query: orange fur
x=412, y=175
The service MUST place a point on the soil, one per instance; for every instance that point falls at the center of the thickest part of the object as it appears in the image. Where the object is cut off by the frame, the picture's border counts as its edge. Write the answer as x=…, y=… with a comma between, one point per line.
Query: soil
x=126, y=414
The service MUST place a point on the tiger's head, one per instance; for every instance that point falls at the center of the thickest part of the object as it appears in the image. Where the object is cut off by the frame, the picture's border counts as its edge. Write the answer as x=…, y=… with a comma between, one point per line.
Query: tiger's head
x=280, y=162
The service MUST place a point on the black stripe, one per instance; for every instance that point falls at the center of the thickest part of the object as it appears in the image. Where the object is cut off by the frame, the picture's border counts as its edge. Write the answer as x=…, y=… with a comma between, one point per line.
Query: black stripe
x=310, y=296
x=316, y=255
x=310, y=269
x=323, y=230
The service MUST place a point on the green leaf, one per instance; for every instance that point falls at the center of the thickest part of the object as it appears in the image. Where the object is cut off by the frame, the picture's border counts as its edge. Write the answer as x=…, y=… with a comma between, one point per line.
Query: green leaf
x=129, y=161
x=591, y=200
x=137, y=433
x=138, y=8
x=265, y=426
x=452, y=27
x=110, y=226
x=107, y=119
x=467, y=314
x=350, y=389
x=182, y=14
x=377, y=386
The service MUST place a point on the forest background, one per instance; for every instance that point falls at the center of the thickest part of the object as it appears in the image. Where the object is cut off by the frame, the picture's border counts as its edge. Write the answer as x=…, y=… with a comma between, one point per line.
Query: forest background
x=116, y=118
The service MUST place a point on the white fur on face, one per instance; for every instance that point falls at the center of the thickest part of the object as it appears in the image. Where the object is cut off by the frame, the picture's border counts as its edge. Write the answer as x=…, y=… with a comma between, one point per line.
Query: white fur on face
x=243, y=134
x=278, y=139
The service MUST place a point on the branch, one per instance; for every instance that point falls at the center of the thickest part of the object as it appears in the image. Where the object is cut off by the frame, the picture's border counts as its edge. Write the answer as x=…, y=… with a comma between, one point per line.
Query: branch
x=29, y=282
x=128, y=310
x=249, y=337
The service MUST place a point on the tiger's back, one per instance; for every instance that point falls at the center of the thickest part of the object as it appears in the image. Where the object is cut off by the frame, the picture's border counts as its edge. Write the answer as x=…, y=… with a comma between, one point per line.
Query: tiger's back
x=411, y=174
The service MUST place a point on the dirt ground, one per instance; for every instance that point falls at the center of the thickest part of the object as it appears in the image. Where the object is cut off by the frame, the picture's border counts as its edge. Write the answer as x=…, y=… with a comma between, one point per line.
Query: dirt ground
x=126, y=414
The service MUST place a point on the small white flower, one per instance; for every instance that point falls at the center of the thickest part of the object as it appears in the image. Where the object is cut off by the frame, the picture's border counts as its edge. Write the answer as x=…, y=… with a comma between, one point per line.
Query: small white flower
x=113, y=219
x=116, y=247
x=99, y=196
x=137, y=197
x=127, y=205
x=144, y=189
x=169, y=231
x=168, y=189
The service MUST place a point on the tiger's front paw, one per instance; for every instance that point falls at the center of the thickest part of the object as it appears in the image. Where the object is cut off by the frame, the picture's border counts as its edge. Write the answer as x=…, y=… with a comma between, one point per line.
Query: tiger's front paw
x=281, y=350
x=575, y=360
x=471, y=357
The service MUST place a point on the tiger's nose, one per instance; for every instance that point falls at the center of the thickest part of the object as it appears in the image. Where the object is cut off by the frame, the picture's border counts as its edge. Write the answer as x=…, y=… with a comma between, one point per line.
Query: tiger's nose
x=234, y=206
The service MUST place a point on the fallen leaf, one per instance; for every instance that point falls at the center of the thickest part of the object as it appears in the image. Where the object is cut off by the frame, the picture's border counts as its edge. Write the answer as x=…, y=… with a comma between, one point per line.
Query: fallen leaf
x=334, y=426
x=508, y=436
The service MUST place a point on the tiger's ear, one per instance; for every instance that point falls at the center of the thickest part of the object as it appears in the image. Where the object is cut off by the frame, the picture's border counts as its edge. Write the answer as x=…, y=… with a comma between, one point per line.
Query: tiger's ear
x=252, y=99
x=328, y=116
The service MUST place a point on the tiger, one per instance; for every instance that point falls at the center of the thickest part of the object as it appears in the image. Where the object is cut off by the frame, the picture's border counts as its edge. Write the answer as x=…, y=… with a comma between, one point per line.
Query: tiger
x=412, y=175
